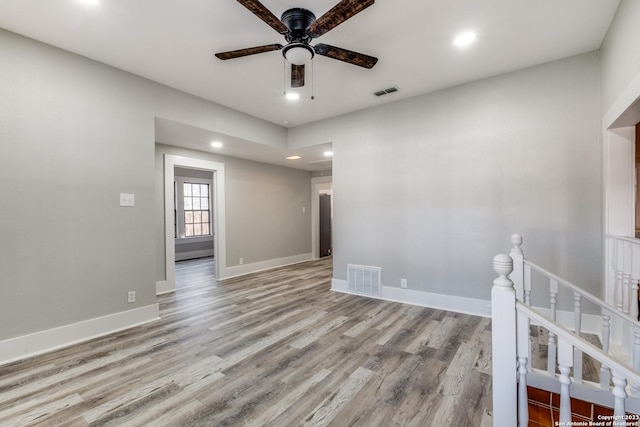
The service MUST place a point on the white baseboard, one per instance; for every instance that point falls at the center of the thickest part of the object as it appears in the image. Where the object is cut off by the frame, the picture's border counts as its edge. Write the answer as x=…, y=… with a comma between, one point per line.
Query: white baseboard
x=18, y=348
x=591, y=323
x=162, y=287
x=240, y=270
x=476, y=307
x=181, y=256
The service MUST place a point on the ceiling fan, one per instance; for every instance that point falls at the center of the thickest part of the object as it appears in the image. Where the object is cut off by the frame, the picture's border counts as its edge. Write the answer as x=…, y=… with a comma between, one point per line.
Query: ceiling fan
x=299, y=26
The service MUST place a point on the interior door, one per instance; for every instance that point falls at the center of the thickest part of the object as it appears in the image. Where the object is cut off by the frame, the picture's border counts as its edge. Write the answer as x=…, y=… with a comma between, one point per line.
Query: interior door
x=325, y=225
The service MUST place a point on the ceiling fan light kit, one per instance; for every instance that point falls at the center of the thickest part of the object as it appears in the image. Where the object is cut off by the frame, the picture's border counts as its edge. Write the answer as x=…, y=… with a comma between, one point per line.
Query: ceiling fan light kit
x=299, y=27
x=298, y=53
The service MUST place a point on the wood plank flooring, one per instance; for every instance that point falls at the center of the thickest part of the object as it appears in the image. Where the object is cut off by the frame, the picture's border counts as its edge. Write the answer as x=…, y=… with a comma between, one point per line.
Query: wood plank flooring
x=276, y=348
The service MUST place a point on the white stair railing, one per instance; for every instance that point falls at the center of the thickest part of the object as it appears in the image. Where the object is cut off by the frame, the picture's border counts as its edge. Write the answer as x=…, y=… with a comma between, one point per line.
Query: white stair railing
x=621, y=290
x=624, y=272
x=609, y=315
x=512, y=317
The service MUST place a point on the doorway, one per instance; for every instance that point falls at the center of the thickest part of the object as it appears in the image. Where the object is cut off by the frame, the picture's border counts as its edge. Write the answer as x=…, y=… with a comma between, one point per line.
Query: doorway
x=217, y=207
x=325, y=224
x=319, y=186
x=193, y=213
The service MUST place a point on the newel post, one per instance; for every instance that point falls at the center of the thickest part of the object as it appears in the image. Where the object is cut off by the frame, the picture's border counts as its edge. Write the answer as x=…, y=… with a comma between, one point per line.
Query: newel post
x=503, y=344
x=517, y=275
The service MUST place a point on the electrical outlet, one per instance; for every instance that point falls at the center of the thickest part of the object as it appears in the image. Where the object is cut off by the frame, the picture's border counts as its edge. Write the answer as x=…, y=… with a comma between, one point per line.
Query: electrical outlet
x=403, y=283
x=241, y=261
x=131, y=296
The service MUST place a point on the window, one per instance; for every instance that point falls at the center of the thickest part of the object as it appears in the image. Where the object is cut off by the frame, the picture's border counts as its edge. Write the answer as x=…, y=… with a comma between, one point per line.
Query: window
x=196, y=209
x=193, y=210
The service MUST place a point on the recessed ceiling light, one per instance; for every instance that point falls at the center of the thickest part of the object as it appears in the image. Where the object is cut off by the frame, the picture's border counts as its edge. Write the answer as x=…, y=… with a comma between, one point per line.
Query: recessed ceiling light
x=293, y=158
x=216, y=144
x=292, y=96
x=463, y=40
x=328, y=153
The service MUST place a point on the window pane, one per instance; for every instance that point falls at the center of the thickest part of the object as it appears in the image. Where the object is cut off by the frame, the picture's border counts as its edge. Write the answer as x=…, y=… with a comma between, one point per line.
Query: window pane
x=196, y=203
x=197, y=230
x=204, y=190
x=195, y=190
x=188, y=230
x=205, y=229
x=188, y=205
x=187, y=189
x=204, y=203
x=205, y=216
x=197, y=217
x=188, y=217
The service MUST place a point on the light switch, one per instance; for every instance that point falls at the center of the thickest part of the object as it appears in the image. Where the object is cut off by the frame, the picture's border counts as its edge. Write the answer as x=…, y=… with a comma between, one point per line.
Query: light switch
x=127, y=199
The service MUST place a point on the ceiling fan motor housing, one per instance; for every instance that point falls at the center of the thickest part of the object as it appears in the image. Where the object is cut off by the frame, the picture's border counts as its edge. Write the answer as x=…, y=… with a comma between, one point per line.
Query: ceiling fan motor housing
x=298, y=20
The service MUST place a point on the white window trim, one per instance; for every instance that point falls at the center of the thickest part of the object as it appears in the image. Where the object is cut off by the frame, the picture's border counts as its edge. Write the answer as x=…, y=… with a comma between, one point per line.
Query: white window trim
x=179, y=200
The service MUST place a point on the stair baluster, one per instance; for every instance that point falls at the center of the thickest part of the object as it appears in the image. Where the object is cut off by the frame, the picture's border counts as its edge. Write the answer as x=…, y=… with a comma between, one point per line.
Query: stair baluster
x=619, y=393
x=605, y=373
x=565, y=360
x=523, y=401
x=527, y=285
x=618, y=267
x=577, y=319
x=552, y=345
x=635, y=386
x=635, y=278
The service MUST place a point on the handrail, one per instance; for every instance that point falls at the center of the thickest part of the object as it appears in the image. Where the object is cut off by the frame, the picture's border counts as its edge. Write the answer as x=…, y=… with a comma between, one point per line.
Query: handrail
x=512, y=354
x=610, y=308
x=579, y=343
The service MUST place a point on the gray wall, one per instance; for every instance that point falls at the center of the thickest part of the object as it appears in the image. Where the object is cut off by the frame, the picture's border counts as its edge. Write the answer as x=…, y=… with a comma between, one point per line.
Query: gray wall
x=74, y=134
x=620, y=59
x=264, y=204
x=432, y=187
x=73, y=137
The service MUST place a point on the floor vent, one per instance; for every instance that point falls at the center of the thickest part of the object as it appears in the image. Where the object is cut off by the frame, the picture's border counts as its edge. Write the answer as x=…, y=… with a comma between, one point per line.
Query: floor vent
x=364, y=280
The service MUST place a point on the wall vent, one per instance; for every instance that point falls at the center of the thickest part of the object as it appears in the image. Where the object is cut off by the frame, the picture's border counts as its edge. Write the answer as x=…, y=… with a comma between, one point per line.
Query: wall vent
x=364, y=280
x=386, y=91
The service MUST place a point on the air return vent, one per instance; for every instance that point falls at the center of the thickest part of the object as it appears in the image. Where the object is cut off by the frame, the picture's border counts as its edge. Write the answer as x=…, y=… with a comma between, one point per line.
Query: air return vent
x=386, y=91
x=364, y=280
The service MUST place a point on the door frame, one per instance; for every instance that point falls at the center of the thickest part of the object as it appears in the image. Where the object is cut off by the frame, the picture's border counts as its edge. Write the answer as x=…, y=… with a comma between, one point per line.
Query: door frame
x=219, y=224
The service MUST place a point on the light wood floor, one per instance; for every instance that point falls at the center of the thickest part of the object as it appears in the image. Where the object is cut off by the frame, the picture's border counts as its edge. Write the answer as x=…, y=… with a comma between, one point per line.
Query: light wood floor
x=276, y=348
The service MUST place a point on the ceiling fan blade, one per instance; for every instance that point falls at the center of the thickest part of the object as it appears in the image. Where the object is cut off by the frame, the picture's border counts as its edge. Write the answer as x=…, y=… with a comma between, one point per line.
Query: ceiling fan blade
x=345, y=55
x=297, y=75
x=248, y=51
x=337, y=15
x=265, y=14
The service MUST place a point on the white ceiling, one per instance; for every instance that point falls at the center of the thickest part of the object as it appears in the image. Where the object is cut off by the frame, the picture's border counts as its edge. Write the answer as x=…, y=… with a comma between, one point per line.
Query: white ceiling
x=173, y=42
